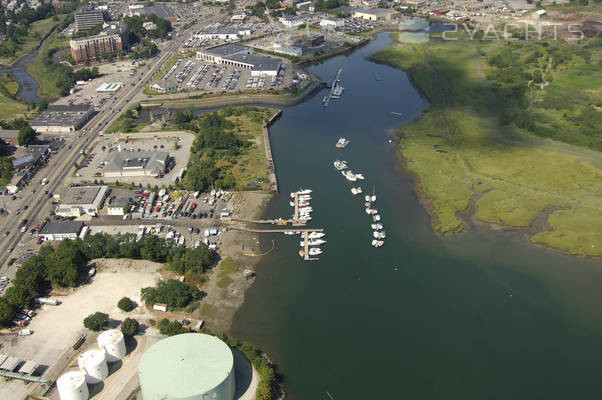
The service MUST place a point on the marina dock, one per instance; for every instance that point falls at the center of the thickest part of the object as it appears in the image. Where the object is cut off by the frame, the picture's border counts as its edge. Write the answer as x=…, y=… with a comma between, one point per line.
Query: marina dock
x=304, y=234
x=282, y=222
x=336, y=80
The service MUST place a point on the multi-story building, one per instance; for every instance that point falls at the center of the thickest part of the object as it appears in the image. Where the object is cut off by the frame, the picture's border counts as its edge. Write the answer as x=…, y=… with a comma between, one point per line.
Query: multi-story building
x=86, y=19
x=110, y=40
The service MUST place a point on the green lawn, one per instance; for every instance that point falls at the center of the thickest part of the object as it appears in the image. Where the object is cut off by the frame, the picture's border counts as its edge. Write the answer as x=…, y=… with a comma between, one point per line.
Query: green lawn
x=459, y=148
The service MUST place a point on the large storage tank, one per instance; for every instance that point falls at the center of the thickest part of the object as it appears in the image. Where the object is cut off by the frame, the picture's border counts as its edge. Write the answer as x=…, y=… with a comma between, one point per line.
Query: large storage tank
x=94, y=363
x=192, y=366
x=72, y=386
x=113, y=343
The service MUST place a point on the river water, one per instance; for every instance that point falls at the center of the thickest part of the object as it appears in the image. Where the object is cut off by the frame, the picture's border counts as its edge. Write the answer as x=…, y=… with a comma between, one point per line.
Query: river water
x=481, y=316
x=28, y=86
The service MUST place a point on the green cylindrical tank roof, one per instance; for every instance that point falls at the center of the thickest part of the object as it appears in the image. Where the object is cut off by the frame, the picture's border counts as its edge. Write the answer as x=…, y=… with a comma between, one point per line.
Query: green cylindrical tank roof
x=185, y=366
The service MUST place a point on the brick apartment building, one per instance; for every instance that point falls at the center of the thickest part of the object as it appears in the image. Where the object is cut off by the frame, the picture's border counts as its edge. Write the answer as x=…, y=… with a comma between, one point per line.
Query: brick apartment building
x=110, y=40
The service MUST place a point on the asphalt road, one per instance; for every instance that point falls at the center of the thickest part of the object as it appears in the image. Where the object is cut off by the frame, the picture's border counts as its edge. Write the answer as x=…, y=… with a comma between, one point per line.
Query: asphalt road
x=61, y=164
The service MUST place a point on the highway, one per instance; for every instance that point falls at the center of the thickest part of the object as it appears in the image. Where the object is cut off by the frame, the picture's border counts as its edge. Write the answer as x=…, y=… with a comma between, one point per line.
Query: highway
x=61, y=164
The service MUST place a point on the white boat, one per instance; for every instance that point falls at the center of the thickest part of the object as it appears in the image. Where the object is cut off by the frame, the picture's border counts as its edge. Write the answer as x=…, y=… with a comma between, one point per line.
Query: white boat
x=349, y=175
x=289, y=233
x=312, y=242
x=377, y=243
x=340, y=165
x=356, y=190
x=374, y=226
x=305, y=197
x=369, y=210
x=367, y=198
x=376, y=217
x=374, y=211
x=303, y=218
x=305, y=209
x=379, y=235
x=302, y=253
x=316, y=235
x=342, y=143
x=359, y=176
x=314, y=251
x=304, y=191
x=377, y=226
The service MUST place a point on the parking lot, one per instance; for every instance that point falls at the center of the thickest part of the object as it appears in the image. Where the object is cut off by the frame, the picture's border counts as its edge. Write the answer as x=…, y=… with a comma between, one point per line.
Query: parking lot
x=192, y=74
x=177, y=145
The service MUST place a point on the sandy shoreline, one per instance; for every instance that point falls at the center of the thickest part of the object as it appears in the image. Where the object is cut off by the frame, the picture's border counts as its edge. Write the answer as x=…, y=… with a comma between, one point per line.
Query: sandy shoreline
x=221, y=304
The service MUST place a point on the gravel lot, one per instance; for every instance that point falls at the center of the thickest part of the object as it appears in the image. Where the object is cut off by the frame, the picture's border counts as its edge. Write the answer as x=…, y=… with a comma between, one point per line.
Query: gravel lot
x=57, y=327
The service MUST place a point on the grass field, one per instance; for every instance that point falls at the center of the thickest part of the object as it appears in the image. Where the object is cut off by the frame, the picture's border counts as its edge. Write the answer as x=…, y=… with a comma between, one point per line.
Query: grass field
x=459, y=148
x=252, y=165
x=39, y=68
x=9, y=107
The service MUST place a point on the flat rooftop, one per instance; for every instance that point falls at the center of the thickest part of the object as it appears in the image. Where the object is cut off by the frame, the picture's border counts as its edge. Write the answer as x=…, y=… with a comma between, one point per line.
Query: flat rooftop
x=81, y=195
x=260, y=63
x=61, y=227
x=67, y=115
x=227, y=49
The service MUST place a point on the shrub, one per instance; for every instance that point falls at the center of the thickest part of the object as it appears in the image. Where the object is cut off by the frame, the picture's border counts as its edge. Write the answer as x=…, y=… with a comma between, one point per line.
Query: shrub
x=126, y=304
x=129, y=326
x=97, y=321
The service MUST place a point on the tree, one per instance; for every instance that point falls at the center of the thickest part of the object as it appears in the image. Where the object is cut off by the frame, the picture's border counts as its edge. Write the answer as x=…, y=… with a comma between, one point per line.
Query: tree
x=97, y=321
x=129, y=326
x=66, y=263
x=174, y=293
x=126, y=304
x=7, y=312
x=26, y=136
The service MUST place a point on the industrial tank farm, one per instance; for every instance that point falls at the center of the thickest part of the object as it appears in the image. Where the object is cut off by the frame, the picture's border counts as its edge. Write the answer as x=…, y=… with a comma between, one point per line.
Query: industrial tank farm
x=190, y=366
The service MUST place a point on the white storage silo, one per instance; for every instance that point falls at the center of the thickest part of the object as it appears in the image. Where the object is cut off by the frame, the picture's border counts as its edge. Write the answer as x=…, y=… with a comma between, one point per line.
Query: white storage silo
x=72, y=386
x=113, y=344
x=94, y=363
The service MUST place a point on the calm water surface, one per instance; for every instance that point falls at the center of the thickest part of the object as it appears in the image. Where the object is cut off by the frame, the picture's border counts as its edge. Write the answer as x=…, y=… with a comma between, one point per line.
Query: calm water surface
x=481, y=316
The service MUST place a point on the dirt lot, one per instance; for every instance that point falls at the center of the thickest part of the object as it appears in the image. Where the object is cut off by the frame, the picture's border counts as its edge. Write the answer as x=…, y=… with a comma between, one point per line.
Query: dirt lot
x=57, y=327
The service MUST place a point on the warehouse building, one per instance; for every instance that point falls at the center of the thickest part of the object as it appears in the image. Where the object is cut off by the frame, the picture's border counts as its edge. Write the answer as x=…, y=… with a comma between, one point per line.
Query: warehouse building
x=63, y=230
x=222, y=33
x=240, y=57
x=80, y=200
x=332, y=23
x=296, y=20
x=191, y=366
x=111, y=40
x=376, y=14
x=136, y=163
x=62, y=119
x=160, y=11
x=85, y=19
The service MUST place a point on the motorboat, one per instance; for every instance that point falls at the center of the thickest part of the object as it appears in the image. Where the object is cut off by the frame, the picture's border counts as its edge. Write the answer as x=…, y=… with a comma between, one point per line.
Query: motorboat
x=342, y=143
x=313, y=242
x=349, y=175
x=314, y=251
x=367, y=198
x=359, y=176
x=289, y=233
x=302, y=253
x=356, y=190
x=340, y=165
x=376, y=218
x=377, y=226
x=369, y=210
x=379, y=234
x=377, y=243
x=316, y=235
x=304, y=191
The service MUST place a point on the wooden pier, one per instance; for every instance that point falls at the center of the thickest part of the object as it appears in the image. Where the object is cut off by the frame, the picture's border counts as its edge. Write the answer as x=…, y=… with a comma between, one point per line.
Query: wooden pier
x=337, y=78
x=281, y=222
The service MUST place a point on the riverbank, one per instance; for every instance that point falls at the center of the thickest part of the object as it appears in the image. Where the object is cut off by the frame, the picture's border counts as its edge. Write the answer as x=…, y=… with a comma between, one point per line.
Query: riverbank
x=459, y=148
x=221, y=303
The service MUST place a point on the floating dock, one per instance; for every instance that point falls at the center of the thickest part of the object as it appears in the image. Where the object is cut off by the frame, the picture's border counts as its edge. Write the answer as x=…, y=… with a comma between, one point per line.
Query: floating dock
x=336, y=80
